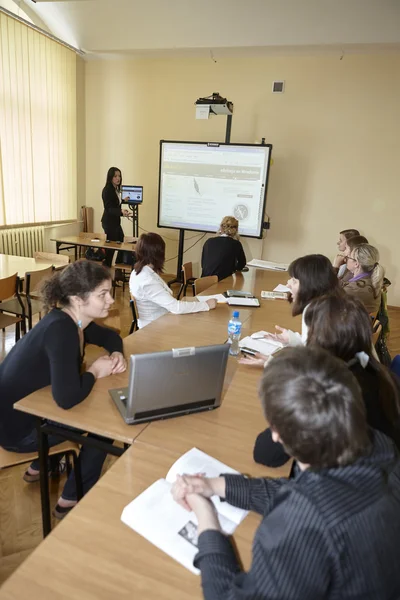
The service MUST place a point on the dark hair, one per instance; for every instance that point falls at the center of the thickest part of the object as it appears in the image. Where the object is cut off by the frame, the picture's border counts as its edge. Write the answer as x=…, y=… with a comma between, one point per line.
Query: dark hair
x=77, y=279
x=150, y=250
x=342, y=325
x=110, y=174
x=348, y=233
x=316, y=278
x=355, y=241
x=315, y=404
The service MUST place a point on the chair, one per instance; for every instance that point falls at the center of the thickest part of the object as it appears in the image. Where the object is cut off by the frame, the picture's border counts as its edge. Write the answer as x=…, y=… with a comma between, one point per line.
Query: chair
x=28, y=298
x=59, y=260
x=135, y=315
x=125, y=268
x=376, y=331
x=10, y=302
x=204, y=283
x=188, y=279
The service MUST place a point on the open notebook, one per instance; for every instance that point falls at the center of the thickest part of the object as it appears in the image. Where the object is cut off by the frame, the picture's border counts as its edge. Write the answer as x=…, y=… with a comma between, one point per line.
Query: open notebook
x=268, y=264
x=156, y=516
x=258, y=343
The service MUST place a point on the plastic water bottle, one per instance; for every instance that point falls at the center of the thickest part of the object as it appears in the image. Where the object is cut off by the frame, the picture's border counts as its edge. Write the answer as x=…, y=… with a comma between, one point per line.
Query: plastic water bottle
x=234, y=331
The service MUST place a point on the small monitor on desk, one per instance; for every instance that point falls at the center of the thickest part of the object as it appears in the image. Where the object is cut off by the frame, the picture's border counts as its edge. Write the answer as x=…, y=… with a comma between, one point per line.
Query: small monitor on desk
x=132, y=194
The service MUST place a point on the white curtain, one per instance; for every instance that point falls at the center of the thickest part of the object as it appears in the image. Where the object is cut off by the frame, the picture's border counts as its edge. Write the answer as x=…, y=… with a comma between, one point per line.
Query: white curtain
x=38, y=177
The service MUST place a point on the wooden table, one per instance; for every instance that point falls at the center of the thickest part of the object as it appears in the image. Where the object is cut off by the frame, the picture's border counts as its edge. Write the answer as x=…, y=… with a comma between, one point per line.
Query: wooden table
x=76, y=240
x=9, y=265
x=91, y=554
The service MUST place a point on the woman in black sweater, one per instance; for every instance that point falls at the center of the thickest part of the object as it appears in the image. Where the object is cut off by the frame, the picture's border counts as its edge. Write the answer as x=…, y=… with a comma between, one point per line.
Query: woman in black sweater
x=223, y=255
x=52, y=354
x=341, y=325
x=111, y=219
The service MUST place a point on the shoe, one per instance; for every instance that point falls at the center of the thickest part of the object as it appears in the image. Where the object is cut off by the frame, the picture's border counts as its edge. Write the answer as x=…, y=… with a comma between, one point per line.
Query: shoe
x=59, y=512
x=56, y=472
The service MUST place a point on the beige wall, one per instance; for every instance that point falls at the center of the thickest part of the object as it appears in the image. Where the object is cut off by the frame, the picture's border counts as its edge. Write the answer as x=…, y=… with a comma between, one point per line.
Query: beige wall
x=335, y=132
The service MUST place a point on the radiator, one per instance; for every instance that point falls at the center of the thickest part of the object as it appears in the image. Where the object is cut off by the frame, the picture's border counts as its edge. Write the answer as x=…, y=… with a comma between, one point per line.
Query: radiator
x=22, y=241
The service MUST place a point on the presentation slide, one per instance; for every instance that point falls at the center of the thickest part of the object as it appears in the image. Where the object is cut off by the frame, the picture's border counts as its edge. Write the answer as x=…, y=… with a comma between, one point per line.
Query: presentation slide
x=201, y=183
x=132, y=193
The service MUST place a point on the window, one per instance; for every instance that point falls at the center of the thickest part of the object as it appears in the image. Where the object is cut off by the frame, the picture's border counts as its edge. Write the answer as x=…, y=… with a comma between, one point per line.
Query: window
x=38, y=178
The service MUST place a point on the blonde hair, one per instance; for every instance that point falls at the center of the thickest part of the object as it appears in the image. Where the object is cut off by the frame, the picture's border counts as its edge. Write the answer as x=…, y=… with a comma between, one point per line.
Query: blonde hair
x=229, y=226
x=368, y=258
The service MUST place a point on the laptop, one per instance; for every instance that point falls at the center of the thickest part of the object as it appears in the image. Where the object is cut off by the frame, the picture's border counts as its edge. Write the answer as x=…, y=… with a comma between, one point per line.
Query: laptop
x=172, y=383
x=133, y=193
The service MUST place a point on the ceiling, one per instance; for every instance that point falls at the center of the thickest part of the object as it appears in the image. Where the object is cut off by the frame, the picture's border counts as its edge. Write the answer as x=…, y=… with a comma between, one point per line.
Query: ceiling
x=194, y=27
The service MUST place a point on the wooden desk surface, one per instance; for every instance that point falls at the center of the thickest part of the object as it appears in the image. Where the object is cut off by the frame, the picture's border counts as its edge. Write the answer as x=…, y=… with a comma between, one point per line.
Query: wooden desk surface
x=9, y=265
x=76, y=240
x=92, y=555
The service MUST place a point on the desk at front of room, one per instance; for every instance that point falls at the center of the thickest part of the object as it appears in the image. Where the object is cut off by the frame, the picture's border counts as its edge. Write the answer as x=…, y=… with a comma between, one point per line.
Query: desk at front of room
x=91, y=554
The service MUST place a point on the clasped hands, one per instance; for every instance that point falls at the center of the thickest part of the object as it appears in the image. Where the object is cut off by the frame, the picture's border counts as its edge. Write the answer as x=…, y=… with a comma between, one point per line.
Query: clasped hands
x=193, y=493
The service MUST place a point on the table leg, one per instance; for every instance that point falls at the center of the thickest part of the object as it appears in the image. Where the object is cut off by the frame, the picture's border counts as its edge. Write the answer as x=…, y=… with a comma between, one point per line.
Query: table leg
x=76, y=252
x=58, y=244
x=44, y=478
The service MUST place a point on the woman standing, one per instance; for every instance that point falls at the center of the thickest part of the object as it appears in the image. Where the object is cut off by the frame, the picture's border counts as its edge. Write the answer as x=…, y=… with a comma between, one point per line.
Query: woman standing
x=111, y=219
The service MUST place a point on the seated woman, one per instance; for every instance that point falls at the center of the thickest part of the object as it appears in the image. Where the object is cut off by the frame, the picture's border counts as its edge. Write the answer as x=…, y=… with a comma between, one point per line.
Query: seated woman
x=341, y=325
x=52, y=354
x=343, y=273
x=311, y=276
x=223, y=255
x=367, y=277
x=153, y=297
x=333, y=530
x=339, y=261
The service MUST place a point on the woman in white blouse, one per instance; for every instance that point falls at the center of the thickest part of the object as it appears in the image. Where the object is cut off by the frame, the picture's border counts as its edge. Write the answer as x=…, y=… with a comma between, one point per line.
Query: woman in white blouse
x=153, y=297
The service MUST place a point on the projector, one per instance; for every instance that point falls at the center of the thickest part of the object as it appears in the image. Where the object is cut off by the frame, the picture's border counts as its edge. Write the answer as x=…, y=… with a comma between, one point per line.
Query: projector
x=216, y=105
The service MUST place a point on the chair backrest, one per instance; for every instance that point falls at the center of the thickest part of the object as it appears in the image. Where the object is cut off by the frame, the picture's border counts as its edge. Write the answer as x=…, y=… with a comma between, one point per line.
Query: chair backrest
x=35, y=278
x=88, y=235
x=376, y=331
x=203, y=283
x=187, y=270
x=57, y=259
x=135, y=314
x=8, y=287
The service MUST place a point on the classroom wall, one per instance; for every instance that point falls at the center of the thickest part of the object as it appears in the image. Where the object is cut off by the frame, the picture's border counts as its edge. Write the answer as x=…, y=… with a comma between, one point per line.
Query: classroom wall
x=335, y=133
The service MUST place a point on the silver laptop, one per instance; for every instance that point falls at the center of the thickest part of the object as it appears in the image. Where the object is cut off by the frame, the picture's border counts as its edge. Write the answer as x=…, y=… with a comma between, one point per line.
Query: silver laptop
x=172, y=383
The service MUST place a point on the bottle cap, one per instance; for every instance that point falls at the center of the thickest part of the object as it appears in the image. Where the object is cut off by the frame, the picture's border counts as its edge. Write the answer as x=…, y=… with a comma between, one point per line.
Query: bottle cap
x=235, y=314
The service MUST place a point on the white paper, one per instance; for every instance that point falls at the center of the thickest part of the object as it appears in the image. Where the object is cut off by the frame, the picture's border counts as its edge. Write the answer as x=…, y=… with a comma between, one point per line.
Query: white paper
x=220, y=298
x=156, y=516
x=196, y=461
x=266, y=264
x=243, y=302
x=202, y=111
x=266, y=347
x=282, y=288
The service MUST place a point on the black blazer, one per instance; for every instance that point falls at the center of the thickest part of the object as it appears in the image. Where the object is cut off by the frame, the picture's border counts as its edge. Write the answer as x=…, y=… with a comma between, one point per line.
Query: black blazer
x=111, y=218
x=222, y=256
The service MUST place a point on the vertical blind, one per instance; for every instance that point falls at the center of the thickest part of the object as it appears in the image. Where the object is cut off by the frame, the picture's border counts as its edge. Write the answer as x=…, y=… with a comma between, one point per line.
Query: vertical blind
x=38, y=170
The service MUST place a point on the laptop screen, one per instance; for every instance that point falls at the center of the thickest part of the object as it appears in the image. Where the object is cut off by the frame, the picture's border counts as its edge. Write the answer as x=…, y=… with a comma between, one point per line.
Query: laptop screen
x=133, y=194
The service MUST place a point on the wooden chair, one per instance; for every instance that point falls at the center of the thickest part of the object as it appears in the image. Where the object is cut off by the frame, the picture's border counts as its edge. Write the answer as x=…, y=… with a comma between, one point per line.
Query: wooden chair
x=8, y=292
x=204, y=283
x=188, y=279
x=12, y=459
x=135, y=315
x=126, y=269
x=32, y=284
x=59, y=260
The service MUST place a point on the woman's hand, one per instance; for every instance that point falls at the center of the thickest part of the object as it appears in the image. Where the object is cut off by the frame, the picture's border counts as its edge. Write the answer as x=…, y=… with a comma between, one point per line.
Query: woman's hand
x=258, y=360
x=282, y=336
x=205, y=512
x=339, y=260
x=126, y=212
x=212, y=303
x=102, y=367
x=119, y=362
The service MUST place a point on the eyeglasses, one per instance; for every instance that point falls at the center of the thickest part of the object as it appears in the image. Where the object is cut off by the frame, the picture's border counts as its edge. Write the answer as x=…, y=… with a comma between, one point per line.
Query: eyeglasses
x=351, y=258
